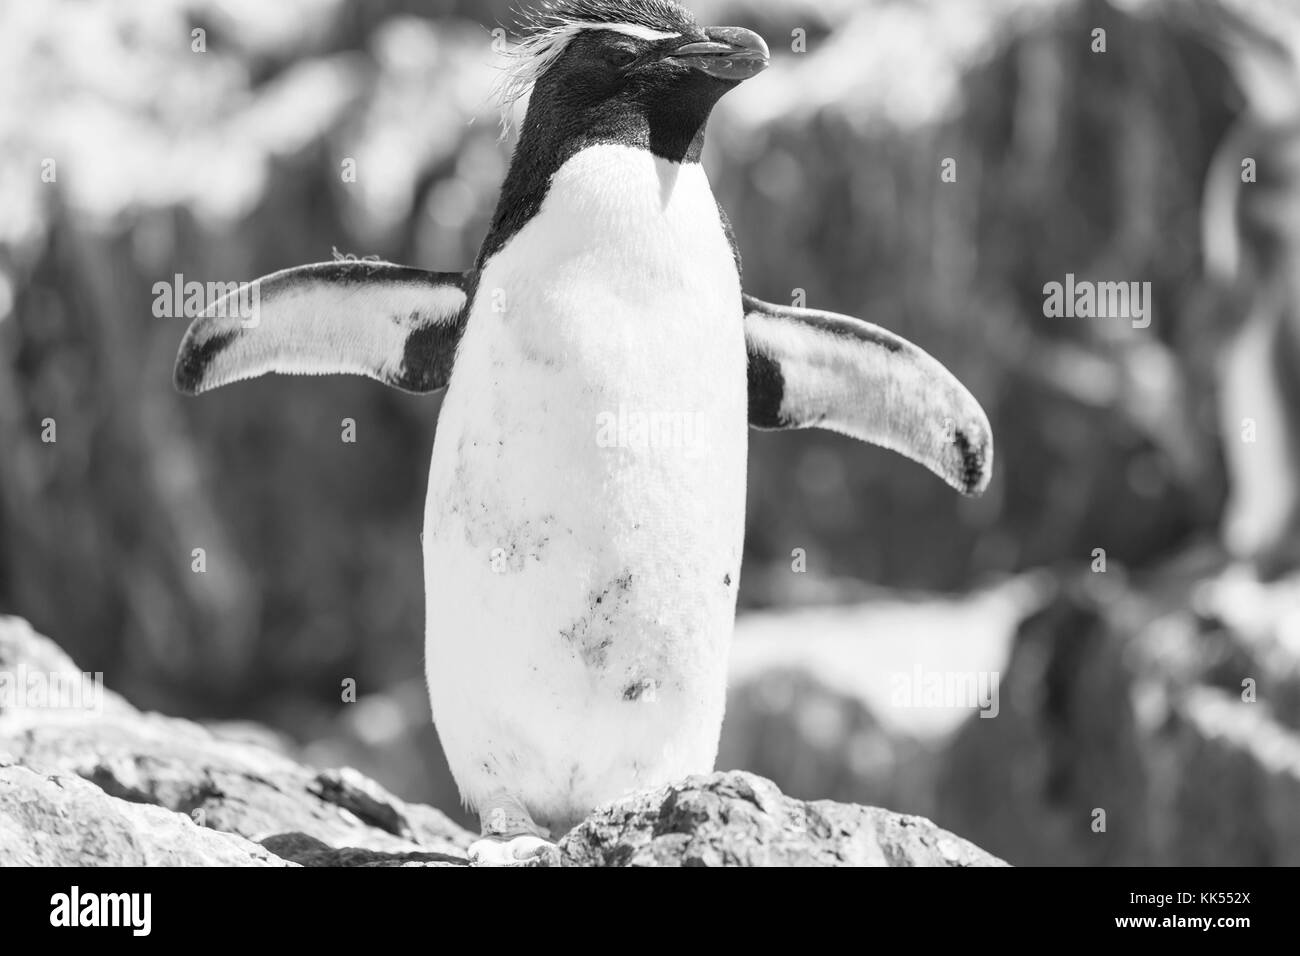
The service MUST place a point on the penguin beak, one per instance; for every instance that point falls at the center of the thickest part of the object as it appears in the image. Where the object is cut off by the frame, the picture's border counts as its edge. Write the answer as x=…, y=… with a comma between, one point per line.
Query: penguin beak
x=729, y=53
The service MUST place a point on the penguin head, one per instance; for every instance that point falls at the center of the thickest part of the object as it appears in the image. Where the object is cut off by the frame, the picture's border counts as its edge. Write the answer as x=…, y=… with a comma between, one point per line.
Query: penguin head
x=640, y=71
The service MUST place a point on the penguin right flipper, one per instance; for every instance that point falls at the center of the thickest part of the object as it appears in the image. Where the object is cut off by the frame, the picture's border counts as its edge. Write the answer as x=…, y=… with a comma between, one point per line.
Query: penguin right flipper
x=397, y=325
x=811, y=369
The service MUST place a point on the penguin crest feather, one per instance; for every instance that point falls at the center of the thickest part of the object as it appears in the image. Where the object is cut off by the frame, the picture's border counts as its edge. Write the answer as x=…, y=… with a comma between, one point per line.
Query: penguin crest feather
x=547, y=28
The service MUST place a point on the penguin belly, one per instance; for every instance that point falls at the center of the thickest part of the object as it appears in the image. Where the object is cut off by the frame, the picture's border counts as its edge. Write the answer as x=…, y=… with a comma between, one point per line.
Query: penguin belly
x=585, y=515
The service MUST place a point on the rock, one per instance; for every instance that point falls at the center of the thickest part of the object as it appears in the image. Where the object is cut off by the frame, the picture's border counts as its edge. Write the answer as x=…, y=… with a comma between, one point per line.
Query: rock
x=231, y=785
x=55, y=819
x=234, y=785
x=114, y=786
x=738, y=819
x=308, y=851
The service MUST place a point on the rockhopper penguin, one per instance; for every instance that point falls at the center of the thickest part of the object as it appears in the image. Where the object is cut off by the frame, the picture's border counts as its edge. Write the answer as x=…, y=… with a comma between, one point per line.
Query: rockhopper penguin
x=581, y=578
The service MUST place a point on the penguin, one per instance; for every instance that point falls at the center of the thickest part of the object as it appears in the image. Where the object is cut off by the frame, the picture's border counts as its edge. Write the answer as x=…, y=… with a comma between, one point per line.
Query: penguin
x=603, y=366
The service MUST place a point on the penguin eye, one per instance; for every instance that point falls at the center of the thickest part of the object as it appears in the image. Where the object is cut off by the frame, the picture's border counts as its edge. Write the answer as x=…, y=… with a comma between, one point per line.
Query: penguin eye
x=620, y=55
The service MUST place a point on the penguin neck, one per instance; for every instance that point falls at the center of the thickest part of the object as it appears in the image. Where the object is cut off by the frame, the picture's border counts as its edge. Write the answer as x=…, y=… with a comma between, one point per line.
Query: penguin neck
x=553, y=134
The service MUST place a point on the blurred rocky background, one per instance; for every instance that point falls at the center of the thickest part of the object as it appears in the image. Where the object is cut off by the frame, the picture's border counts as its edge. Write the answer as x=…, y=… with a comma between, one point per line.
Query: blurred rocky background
x=1145, y=671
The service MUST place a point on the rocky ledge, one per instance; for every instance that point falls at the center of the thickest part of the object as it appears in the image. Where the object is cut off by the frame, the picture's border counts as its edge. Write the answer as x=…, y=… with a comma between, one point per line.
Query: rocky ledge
x=117, y=787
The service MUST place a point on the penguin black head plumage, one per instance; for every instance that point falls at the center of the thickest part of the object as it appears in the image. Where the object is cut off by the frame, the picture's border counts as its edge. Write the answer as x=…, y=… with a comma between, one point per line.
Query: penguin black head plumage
x=647, y=56
x=639, y=73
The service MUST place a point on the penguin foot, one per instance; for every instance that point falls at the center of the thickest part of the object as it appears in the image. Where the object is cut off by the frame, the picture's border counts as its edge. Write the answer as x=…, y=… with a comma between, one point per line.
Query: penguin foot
x=509, y=851
x=510, y=837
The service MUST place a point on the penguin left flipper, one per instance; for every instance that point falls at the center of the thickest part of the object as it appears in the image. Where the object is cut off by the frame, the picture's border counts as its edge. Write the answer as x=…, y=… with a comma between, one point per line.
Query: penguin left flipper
x=397, y=325
x=811, y=369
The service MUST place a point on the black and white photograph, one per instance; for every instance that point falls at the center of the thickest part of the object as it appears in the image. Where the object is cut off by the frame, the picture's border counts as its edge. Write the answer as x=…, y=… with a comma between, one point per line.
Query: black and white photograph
x=477, y=434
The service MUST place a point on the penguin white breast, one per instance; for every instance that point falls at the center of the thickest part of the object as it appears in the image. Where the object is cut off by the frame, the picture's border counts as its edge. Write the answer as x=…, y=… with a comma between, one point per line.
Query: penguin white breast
x=586, y=501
